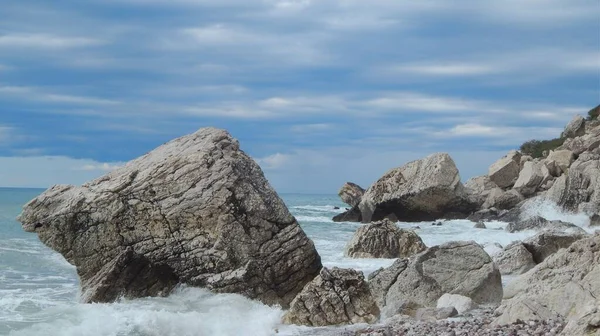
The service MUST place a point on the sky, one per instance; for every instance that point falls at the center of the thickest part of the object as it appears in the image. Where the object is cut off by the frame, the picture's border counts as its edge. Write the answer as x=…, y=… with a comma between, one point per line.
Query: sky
x=319, y=92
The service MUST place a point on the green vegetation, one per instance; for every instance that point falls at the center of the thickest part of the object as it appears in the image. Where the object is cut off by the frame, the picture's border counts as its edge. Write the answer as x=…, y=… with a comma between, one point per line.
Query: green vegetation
x=536, y=148
x=594, y=113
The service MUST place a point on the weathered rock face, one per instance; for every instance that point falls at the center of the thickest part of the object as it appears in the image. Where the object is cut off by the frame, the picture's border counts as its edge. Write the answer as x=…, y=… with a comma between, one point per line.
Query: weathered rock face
x=196, y=210
x=461, y=303
x=462, y=268
x=563, y=285
x=384, y=239
x=503, y=200
x=514, y=259
x=505, y=171
x=563, y=158
x=351, y=193
x=575, y=128
x=544, y=244
x=352, y=215
x=336, y=296
x=579, y=190
x=479, y=188
x=531, y=177
x=539, y=224
x=421, y=190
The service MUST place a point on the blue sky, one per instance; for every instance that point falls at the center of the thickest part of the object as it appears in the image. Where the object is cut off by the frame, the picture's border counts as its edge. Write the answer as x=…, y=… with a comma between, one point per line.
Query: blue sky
x=318, y=92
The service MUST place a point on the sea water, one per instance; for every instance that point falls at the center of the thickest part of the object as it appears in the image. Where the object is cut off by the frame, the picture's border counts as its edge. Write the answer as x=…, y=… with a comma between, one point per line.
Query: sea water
x=39, y=289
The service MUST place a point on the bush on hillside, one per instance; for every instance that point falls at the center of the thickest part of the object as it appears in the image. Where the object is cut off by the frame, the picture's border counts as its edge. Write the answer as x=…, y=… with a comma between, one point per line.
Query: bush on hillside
x=594, y=113
x=536, y=148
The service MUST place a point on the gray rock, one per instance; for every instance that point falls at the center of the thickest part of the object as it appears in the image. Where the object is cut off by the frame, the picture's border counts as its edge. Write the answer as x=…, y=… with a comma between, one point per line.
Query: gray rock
x=595, y=220
x=515, y=259
x=505, y=171
x=196, y=211
x=538, y=223
x=480, y=225
x=579, y=190
x=461, y=303
x=434, y=314
x=563, y=158
x=383, y=239
x=484, y=215
x=479, y=188
x=457, y=268
x=531, y=177
x=352, y=215
x=524, y=159
x=546, y=243
x=562, y=286
x=351, y=193
x=337, y=296
x=575, y=128
x=503, y=200
x=421, y=190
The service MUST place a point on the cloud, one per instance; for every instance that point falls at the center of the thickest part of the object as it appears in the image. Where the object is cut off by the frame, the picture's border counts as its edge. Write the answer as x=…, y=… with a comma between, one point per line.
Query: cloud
x=274, y=161
x=483, y=131
x=448, y=69
x=31, y=93
x=46, y=41
x=99, y=167
x=310, y=128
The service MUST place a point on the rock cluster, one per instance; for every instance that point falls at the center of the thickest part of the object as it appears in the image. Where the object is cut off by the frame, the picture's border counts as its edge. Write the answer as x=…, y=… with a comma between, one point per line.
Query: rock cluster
x=196, y=211
x=384, y=239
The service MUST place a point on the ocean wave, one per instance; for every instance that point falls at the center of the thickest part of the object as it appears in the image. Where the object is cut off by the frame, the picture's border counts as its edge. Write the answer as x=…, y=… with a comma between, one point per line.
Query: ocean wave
x=320, y=208
x=319, y=219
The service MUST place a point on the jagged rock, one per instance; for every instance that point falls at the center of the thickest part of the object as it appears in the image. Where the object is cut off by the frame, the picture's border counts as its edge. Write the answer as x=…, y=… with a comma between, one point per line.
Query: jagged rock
x=546, y=243
x=579, y=190
x=434, y=314
x=336, y=296
x=585, y=322
x=539, y=223
x=479, y=188
x=531, y=177
x=196, y=211
x=505, y=171
x=457, y=268
x=575, y=128
x=524, y=159
x=514, y=259
x=383, y=239
x=552, y=167
x=480, y=225
x=352, y=215
x=461, y=303
x=351, y=193
x=484, y=215
x=503, y=200
x=422, y=190
x=563, y=158
x=579, y=145
x=595, y=220
x=562, y=286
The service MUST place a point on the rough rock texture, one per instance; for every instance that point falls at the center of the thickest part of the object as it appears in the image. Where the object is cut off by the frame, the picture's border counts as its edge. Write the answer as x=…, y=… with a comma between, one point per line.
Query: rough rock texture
x=484, y=215
x=352, y=215
x=586, y=322
x=595, y=220
x=461, y=303
x=462, y=268
x=434, y=314
x=479, y=188
x=505, y=171
x=384, y=239
x=196, y=210
x=480, y=225
x=336, y=296
x=422, y=190
x=579, y=190
x=564, y=285
x=531, y=177
x=524, y=159
x=563, y=158
x=515, y=259
x=575, y=128
x=503, y=200
x=351, y=193
x=539, y=223
x=544, y=244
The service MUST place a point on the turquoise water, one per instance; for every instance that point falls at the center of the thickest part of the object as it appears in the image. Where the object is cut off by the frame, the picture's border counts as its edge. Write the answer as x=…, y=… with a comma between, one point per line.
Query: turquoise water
x=39, y=289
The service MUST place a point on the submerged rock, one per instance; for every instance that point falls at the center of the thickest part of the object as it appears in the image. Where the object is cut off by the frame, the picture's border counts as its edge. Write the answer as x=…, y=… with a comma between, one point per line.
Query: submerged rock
x=196, y=210
x=352, y=215
x=539, y=223
x=422, y=190
x=336, y=296
x=351, y=193
x=384, y=239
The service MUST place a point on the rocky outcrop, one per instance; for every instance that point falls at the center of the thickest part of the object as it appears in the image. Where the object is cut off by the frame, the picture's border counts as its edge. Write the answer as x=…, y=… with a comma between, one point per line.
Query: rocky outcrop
x=503, y=200
x=336, y=296
x=462, y=268
x=479, y=188
x=434, y=314
x=515, y=259
x=384, y=239
x=564, y=286
x=575, y=128
x=196, y=211
x=539, y=223
x=544, y=244
x=505, y=171
x=531, y=177
x=563, y=158
x=579, y=189
x=421, y=190
x=351, y=193
x=461, y=303
x=352, y=215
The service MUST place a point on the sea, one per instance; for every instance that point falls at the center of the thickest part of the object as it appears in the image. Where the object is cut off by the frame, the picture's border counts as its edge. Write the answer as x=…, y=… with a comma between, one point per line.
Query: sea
x=39, y=291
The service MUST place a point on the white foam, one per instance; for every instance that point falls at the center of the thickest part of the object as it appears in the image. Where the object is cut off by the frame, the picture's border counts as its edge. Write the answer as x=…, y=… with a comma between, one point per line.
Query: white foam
x=320, y=219
x=550, y=211
x=320, y=208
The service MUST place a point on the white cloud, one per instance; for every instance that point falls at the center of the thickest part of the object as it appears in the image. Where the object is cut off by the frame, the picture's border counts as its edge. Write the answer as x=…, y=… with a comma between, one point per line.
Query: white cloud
x=309, y=128
x=444, y=69
x=413, y=101
x=99, y=167
x=31, y=93
x=274, y=161
x=510, y=134
x=46, y=41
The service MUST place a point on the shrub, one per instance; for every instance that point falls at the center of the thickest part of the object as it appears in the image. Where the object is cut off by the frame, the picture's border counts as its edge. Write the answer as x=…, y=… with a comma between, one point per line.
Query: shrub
x=536, y=148
x=594, y=113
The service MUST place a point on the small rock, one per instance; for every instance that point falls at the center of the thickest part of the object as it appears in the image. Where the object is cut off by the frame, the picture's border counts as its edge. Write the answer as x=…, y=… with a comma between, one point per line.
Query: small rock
x=480, y=225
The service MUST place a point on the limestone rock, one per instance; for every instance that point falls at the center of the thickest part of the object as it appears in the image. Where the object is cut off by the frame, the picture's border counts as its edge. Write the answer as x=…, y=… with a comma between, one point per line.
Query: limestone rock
x=515, y=259
x=531, y=177
x=552, y=167
x=479, y=188
x=352, y=215
x=484, y=215
x=462, y=268
x=337, y=296
x=422, y=190
x=546, y=243
x=524, y=159
x=563, y=285
x=503, y=200
x=461, y=303
x=384, y=239
x=575, y=128
x=579, y=190
x=595, y=220
x=563, y=158
x=197, y=210
x=434, y=314
x=538, y=223
x=351, y=193
x=585, y=322
x=505, y=171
